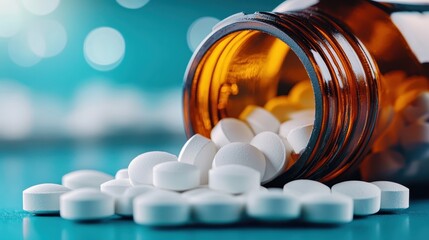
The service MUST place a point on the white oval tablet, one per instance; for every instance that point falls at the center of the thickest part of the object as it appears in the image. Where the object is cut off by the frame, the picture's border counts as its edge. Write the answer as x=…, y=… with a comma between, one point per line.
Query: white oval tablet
x=161, y=208
x=122, y=174
x=234, y=179
x=322, y=208
x=299, y=137
x=124, y=204
x=366, y=196
x=43, y=198
x=259, y=119
x=199, y=151
x=394, y=196
x=216, y=208
x=241, y=154
x=304, y=187
x=275, y=151
x=303, y=114
x=229, y=130
x=176, y=176
x=85, y=179
x=288, y=126
x=140, y=169
x=196, y=192
x=273, y=205
x=86, y=204
x=115, y=187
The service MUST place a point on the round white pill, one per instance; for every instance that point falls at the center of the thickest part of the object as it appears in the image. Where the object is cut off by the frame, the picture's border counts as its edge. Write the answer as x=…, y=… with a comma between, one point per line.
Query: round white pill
x=216, y=208
x=275, y=151
x=85, y=179
x=234, y=179
x=259, y=119
x=176, y=176
x=241, y=154
x=124, y=204
x=299, y=137
x=161, y=208
x=115, y=187
x=43, y=198
x=394, y=196
x=86, y=204
x=140, y=169
x=196, y=192
x=230, y=130
x=302, y=114
x=366, y=196
x=322, y=208
x=199, y=151
x=288, y=126
x=273, y=205
x=122, y=174
x=304, y=187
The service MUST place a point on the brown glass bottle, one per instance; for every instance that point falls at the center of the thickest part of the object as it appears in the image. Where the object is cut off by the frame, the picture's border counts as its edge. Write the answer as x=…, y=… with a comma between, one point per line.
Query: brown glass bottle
x=358, y=61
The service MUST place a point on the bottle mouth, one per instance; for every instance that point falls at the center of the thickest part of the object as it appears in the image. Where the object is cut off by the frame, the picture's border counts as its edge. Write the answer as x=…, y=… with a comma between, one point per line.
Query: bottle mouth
x=251, y=59
x=246, y=64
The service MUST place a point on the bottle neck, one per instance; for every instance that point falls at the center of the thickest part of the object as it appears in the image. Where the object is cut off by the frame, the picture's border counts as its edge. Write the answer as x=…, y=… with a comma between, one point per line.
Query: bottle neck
x=342, y=73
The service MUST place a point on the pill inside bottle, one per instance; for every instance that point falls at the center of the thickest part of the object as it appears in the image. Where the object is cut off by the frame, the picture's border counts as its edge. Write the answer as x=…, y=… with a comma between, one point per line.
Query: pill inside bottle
x=337, y=76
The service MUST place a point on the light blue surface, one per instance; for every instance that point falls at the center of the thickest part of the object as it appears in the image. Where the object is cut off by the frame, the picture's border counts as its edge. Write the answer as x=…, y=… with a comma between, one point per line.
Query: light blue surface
x=22, y=168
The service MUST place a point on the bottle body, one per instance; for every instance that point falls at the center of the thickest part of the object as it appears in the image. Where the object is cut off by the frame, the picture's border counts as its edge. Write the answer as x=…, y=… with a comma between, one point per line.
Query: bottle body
x=359, y=63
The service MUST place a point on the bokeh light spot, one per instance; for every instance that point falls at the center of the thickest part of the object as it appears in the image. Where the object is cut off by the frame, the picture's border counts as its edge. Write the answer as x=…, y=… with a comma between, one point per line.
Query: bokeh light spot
x=47, y=38
x=199, y=29
x=20, y=52
x=40, y=7
x=132, y=4
x=104, y=48
x=10, y=18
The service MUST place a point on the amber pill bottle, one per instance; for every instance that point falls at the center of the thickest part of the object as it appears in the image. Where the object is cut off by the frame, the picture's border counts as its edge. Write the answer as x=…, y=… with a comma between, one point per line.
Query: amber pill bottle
x=362, y=69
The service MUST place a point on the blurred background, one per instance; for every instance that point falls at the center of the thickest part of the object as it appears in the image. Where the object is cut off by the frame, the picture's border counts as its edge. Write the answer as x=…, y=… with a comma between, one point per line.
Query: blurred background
x=92, y=84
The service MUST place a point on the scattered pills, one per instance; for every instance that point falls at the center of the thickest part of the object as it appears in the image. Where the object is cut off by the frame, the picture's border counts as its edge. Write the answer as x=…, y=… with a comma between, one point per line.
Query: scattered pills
x=327, y=208
x=124, y=203
x=176, y=176
x=229, y=130
x=140, y=169
x=394, y=196
x=122, y=174
x=234, y=179
x=85, y=179
x=241, y=154
x=115, y=187
x=86, y=204
x=259, y=119
x=161, y=208
x=216, y=208
x=43, y=198
x=304, y=187
x=199, y=151
x=273, y=205
x=366, y=196
x=299, y=137
x=276, y=153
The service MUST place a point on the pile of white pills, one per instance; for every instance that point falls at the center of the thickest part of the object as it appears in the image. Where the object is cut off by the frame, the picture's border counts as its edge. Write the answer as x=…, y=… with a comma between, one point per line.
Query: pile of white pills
x=218, y=180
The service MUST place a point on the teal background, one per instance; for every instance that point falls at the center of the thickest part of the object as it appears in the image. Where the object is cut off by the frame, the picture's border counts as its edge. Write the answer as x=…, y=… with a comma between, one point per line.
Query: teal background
x=155, y=60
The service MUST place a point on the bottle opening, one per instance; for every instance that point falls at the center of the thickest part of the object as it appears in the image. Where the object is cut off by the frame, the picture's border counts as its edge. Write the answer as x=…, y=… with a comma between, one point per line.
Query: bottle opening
x=250, y=68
